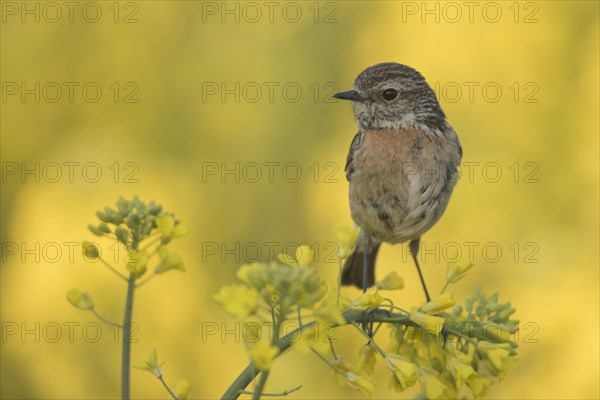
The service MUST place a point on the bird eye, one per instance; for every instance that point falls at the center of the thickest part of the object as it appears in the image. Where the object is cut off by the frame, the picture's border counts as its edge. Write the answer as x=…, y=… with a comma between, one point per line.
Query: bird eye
x=390, y=94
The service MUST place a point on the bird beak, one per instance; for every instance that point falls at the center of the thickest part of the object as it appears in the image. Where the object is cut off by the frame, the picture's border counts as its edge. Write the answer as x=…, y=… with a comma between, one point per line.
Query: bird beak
x=351, y=95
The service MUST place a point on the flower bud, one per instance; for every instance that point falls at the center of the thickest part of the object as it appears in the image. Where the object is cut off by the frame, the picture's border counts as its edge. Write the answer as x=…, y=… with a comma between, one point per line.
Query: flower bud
x=439, y=304
x=102, y=216
x=122, y=235
x=89, y=250
x=95, y=230
x=391, y=281
x=80, y=299
x=346, y=241
x=457, y=270
x=182, y=389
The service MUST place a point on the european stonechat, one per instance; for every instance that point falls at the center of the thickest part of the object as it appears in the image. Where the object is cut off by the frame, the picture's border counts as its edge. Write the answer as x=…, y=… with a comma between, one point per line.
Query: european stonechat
x=402, y=164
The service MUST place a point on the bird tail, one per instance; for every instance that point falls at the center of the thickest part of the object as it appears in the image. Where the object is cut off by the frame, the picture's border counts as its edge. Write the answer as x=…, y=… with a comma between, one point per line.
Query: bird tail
x=353, y=271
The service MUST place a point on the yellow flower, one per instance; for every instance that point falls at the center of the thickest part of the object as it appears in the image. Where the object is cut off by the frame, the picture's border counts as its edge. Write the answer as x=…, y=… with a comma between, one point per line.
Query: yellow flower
x=168, y=229
x=455, y=271
x=479, y=384
x=507, y=365
x=238, y=300
x=151, y=364
x=168, y=261
x=263, y=353
x=451, y=391
x=343, y=365
x=182, y=389
x=396, y=336
x=460, y=368
x=328, y=310
x=243, y=272
x=370, y=299
x=80, y=299
x=439, y=304
x=346, y=241
x=391, y=281
x=89, y=250
x=304, y=256
x=496, y=353
x=434, y=388
x=428, y=322
x=137, y=262
x=366, y=359
x=498, y=358
x=395, y=384
x=404, y=371
x=360, y=382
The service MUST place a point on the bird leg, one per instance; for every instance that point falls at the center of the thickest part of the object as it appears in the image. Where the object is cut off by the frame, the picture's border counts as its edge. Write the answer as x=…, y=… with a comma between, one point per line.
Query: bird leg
x=367, y=325
x=414, y=250
x=367, y=253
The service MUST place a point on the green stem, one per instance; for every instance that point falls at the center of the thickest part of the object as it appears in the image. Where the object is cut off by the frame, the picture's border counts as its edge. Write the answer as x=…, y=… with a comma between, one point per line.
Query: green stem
x=112, y=269
x=284, y=393
x=261, y=385
x=277, y=321
x=393, y=307
x=101, y=318
x=372, y=340
x=445, y=286
x=126, y=356
x=146, y=280
x=339, y=286
x=326, y=361
x=299, y=317
x=162, y=380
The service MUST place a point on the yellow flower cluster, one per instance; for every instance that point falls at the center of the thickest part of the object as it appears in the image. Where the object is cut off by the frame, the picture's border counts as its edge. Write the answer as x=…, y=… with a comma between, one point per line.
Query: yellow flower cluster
x=427, y=347
x=282, y=287
x=143, y=230
x=439, y=360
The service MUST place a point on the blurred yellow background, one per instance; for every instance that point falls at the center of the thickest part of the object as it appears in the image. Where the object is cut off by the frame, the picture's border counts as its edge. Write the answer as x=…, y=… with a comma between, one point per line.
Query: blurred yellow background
x=221, y=112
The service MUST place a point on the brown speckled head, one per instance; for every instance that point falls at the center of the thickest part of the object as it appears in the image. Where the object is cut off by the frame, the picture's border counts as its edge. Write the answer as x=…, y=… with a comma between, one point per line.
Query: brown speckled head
x=393, y=96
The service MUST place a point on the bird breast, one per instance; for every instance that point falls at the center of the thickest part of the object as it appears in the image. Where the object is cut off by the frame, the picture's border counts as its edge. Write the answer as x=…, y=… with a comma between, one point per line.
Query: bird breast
x=401, y=181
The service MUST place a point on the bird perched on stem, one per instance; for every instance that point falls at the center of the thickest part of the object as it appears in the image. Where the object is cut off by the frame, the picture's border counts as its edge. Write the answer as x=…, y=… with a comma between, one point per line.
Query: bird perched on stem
x=402, y=165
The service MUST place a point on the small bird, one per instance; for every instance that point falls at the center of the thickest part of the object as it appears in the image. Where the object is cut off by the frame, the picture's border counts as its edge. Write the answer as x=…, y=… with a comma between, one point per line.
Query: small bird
x=402, y=165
